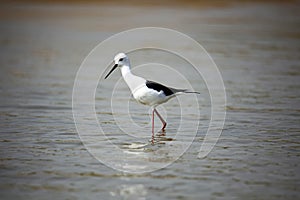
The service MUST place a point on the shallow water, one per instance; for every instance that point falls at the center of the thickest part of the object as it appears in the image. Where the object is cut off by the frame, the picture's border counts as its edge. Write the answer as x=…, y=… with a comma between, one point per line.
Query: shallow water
x=256, y=48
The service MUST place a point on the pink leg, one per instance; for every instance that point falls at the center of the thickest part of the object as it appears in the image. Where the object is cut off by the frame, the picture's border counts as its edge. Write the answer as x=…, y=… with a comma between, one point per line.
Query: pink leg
x=152, y=141
x=162, y=120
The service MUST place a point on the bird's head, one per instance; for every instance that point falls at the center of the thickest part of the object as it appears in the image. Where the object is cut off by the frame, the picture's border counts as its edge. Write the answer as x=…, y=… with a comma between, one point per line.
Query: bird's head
x=120, y=60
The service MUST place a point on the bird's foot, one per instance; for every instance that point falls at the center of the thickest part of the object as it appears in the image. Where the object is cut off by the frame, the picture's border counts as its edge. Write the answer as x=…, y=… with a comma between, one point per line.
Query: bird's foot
x=164, y=126
x=161, y=133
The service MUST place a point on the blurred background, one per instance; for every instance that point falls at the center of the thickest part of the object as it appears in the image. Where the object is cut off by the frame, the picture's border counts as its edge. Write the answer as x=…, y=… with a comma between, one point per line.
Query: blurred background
x=255, y=44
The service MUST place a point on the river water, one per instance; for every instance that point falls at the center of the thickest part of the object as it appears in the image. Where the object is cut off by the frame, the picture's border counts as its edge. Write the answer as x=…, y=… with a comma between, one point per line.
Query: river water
x=256, y=48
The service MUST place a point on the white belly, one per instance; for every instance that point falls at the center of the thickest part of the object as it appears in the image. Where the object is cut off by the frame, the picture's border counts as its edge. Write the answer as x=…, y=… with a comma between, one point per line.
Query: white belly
x=150, y=97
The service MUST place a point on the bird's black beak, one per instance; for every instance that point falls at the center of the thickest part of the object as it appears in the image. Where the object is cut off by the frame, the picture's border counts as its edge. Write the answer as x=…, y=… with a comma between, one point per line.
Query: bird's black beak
x=114, y=67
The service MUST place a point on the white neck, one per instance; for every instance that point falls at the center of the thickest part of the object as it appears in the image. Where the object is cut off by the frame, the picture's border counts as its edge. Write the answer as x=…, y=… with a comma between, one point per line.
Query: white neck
x=125, y=69
x=133, y=82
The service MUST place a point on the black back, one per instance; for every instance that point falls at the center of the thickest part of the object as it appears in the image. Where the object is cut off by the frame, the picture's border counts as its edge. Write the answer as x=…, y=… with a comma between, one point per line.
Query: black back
x=158, y=87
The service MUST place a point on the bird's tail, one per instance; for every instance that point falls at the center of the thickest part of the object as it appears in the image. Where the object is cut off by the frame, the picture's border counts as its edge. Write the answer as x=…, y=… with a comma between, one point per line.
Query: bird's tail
x=184, y=91
x=193, y=92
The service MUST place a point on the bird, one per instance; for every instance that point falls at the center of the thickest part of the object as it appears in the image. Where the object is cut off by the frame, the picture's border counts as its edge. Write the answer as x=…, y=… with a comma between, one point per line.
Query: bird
x=144, y=91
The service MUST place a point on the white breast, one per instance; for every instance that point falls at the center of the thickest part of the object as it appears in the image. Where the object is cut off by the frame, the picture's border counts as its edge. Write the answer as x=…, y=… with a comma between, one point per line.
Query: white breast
x=150, y=97
x=140, y=91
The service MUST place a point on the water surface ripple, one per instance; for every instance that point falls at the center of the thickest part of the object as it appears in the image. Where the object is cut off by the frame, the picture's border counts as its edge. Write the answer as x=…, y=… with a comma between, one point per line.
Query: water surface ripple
x=256, y=47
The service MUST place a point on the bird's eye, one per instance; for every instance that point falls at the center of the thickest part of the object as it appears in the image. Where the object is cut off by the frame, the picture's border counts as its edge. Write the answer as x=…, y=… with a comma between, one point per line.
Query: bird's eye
x=121, y=59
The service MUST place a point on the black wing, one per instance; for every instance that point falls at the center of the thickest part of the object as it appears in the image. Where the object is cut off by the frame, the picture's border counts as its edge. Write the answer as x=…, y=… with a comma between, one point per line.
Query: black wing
x=159, y=87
